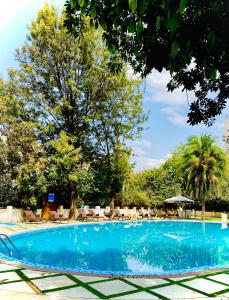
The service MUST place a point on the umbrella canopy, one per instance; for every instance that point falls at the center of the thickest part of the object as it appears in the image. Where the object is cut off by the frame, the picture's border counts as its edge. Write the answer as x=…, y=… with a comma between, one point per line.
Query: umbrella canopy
x=179, y=199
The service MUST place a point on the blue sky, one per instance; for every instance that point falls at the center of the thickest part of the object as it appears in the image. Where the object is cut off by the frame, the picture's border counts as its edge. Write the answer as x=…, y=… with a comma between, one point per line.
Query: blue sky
x=166, y=125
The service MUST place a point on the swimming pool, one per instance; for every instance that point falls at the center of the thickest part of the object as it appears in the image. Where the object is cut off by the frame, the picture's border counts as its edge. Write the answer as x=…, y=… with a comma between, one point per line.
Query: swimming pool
x=127, y=248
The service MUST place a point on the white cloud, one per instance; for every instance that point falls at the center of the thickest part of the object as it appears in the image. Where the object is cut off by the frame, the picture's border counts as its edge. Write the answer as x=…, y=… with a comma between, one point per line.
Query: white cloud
x=144, y=163
x=158, y=79
x=156, y=90
x=140, y=146
x=142, y=143
x=177, y=118
x=131, y=74
x=141, y=155
x=174, y=116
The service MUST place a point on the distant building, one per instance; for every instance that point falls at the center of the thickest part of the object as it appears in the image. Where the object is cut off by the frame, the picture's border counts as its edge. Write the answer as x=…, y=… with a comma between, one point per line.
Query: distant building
x=226, y=135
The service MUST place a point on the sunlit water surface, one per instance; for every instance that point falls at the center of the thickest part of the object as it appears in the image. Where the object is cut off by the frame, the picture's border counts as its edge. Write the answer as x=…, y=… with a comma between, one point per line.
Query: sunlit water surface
x=152, y=248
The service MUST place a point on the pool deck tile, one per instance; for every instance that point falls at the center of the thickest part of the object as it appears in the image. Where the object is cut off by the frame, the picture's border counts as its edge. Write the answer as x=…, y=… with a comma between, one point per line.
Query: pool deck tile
x=226, y=295
x=17, y=287
x=224, y=278
x=205, y=285
x=112, y=287
x=137, y=296
x=53, y=282
x=34, y=274
x=179, y=278
x=9, y=276
x=90, y=278
x=79, y=292
x=4, y=267
x=178, y=292
x=10, y=295
x=147, y=282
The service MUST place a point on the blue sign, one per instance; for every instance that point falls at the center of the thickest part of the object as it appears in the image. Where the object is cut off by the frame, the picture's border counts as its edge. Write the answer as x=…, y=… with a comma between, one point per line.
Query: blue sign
x=50, y=197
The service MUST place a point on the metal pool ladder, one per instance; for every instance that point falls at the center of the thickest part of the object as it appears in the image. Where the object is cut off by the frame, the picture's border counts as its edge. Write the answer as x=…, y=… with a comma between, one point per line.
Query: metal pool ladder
x=2, y=239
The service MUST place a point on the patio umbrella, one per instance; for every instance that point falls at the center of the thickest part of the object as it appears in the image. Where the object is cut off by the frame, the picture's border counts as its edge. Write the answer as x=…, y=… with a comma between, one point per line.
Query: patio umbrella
x=179, y=199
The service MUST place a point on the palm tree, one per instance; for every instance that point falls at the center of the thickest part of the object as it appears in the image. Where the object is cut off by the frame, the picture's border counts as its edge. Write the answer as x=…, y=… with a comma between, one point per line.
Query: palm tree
x=203, y=164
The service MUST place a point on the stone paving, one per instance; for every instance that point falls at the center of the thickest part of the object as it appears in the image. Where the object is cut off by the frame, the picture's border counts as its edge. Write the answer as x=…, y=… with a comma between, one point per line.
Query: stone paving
x=23, y=283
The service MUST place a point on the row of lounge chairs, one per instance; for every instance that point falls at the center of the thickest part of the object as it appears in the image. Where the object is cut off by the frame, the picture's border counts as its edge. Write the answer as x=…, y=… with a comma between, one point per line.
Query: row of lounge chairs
x=116, y=214
x=99, y=214
x=29, y=216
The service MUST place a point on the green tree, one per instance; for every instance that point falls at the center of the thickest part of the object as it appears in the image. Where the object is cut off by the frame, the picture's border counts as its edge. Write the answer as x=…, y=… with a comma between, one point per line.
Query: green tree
x=8, y=192
x=179, y=36
x=160, y=184
x=65, y=167
x=202, y=165
x=120, y=168
x=64, y=86
x=21, y=153
x=151, y=187
x=223, y=189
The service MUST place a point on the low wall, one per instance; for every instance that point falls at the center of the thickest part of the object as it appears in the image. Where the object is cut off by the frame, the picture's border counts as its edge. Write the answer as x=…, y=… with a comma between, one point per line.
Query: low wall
x=11, y=214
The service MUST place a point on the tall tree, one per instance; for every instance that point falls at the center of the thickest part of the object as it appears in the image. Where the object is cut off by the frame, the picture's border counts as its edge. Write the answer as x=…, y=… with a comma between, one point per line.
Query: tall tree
x=188, y=38
x=65, y=167
x=21, y=152
x=202, y=164
x=66, y=87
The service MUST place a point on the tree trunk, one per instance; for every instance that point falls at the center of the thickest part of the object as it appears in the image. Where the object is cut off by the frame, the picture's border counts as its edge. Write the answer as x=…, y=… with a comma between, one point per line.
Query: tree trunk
x=112, y=204
x=72, y=201
x=203, y=210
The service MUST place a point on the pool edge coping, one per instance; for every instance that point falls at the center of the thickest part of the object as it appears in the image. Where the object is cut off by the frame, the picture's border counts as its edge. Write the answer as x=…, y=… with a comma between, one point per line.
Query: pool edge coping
x=61, y=271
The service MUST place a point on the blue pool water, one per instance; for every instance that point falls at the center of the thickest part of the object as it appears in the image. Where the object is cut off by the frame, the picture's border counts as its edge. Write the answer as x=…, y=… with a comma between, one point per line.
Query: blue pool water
x=150, y=248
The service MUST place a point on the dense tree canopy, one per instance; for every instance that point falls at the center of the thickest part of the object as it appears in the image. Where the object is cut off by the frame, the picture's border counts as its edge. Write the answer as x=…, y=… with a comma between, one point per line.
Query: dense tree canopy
x=151, y=187
x=65, y=116
x=188, y=38
x=197, y=169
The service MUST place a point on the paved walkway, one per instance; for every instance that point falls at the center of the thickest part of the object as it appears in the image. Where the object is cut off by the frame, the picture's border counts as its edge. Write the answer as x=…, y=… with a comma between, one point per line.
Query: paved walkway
x=22, y=283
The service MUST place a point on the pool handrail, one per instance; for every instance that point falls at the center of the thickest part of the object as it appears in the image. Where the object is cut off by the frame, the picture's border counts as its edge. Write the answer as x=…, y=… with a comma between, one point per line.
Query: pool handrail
x=11, y=243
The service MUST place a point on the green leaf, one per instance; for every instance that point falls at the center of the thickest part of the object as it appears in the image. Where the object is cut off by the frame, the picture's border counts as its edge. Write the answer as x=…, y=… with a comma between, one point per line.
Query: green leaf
x=81, y=3
x=211, y=37
x=139, y=27
x=133, y=5
x=174, y=49
x=182, y=6
x=158, y=22
x=91, y=23
x=73, y=3
x=212, y=74
x=93, y=12
x=103, y=23
x=131, y=26
x=173, y=23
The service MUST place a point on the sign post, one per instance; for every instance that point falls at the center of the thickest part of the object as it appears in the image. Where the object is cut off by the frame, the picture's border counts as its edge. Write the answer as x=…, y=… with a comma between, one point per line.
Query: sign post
x=50, y=197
